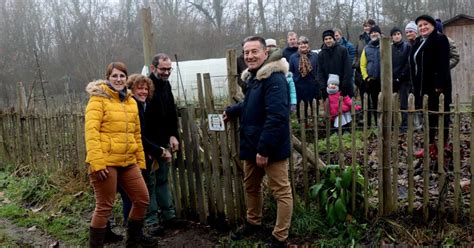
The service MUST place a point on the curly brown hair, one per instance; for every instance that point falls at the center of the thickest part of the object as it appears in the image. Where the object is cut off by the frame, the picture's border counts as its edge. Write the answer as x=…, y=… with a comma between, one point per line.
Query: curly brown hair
x=136, y=80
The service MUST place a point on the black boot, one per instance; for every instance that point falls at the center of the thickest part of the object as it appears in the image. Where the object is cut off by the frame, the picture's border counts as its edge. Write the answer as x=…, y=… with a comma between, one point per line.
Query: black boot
x=96, y=237
x=110, y=236
x=135, y=237
x=245, y=231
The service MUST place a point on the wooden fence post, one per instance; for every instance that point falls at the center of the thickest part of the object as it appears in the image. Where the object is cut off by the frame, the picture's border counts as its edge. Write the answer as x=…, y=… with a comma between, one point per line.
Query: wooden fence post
x=426, y=159
x=303, y=122
x=472, y=161
x=216, y=163
x=339, y=132
x=366, y=156
x=442, y=187
x=353, y=151
x=411, y=170
x=396, y=134
x=386, y=83
x=456, y=158
x=147, y=25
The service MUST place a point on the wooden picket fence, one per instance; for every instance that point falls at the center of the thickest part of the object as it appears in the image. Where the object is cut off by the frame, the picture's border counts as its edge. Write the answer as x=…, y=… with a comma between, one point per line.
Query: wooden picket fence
x=207, y=178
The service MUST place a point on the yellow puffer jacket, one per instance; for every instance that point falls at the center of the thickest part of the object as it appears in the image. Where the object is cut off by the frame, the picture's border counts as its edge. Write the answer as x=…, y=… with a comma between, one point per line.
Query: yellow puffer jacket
x=112, y=129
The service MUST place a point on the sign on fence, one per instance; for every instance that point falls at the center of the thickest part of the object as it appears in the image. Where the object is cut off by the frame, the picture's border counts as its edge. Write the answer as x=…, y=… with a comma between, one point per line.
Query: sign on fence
x=216, y=122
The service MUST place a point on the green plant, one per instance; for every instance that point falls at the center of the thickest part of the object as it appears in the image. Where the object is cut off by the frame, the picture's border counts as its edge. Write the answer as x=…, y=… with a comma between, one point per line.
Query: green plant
x=346, y=142
x=334, y=191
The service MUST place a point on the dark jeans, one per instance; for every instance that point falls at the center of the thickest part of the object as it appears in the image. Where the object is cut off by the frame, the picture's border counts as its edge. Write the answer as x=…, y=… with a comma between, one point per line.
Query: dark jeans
x=373, y=90
x=403, y=92
x=160, y=194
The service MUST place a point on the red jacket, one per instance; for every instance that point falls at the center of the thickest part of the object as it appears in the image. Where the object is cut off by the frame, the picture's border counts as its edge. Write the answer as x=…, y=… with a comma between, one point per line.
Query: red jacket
x=334, y=104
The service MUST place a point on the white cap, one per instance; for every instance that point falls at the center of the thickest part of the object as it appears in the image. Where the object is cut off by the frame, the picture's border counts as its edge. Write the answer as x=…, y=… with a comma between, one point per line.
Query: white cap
x=271, y=42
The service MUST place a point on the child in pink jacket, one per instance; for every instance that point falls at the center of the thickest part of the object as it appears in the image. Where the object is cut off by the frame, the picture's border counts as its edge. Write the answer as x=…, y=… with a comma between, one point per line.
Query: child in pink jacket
x=333, y=99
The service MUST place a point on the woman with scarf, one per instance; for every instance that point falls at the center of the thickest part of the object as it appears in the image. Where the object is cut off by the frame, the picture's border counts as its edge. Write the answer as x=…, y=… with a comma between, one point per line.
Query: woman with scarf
x=303, y=65
x=429, y=67
x=115, y=155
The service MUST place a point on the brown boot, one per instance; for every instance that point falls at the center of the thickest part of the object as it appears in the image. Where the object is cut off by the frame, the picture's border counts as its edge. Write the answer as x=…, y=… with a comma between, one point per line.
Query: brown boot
x=96, y=237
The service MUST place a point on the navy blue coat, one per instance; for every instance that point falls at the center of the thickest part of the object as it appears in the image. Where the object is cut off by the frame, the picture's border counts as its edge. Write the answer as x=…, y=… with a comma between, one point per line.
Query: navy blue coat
x=264, y=113
x=306, y=87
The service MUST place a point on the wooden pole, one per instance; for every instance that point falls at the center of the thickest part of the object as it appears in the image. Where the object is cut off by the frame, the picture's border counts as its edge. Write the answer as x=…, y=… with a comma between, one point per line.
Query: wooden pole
x=426, y=159
x=147, y=25
x=365, y=138
x=411, y=170
x=339, y=132
x=396, y=133
x=442, y=187
x=471, y=215
x=387, y=89
x=456, y=158
x=303, y=122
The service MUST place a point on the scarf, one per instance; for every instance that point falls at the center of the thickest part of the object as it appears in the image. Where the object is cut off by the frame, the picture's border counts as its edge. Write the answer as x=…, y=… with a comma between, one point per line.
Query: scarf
x=304, y=65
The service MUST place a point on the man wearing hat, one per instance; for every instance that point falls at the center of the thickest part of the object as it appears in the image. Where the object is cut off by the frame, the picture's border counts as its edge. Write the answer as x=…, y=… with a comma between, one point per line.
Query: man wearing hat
x=334, y=59
x=370, y=69
x=401, y=71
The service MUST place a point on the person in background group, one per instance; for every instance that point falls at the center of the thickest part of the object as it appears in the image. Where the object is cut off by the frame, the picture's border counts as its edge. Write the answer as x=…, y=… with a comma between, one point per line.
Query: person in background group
x=429, y=66
x=334, y=59
x=370, y=69
x=345, y=43
x=272, y=45
x=303, y=65
x=264, y=139
x=364, y=40
x=115, y=155
x=292, y=45
x=453, y=51
x=162, y=119
x=411, y=32
x=401, y=71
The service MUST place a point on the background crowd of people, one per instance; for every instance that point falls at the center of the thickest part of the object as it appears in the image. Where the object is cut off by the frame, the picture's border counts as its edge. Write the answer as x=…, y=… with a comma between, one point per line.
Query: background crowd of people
x=131, y=122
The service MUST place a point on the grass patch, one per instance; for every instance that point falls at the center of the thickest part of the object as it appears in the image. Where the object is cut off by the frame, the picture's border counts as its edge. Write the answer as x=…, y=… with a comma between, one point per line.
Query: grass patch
x=57, y=205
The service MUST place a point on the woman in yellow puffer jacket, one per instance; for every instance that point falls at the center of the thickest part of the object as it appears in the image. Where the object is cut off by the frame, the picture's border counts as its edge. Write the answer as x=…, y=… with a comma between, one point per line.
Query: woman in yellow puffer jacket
x=115, y=154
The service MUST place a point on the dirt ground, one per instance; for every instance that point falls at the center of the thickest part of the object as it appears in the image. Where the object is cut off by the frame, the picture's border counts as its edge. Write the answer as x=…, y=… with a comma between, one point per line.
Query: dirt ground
x=25, y=237
x=194, y=236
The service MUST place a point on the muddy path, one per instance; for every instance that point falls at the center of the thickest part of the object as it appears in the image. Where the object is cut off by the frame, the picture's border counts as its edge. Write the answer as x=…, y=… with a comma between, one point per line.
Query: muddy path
x=15, y=236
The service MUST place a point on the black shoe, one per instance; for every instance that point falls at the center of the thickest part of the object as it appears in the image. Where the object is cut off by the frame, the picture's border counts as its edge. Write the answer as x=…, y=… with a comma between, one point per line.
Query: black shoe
x=245, y=231
x=275, y=243
x=174, y=223
x=156, y=230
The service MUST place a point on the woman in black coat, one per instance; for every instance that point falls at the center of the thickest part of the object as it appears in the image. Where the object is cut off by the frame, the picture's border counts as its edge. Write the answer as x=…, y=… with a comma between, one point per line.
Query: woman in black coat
x=429, y=66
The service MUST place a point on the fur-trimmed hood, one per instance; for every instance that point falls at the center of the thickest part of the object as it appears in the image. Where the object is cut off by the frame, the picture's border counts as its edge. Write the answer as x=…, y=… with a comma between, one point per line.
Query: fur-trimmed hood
x=274, y=63
x=100, y=88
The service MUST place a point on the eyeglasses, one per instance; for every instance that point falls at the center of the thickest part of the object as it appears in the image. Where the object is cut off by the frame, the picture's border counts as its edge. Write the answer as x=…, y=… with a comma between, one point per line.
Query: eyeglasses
x=165, y=69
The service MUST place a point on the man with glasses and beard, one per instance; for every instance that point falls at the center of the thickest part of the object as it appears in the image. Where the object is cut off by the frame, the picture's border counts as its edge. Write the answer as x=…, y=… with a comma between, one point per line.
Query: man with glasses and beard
x=161, y=120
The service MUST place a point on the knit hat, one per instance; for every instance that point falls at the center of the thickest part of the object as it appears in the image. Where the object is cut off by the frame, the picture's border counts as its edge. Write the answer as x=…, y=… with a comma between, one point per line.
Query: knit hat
x=333, y=79
x=394, y=30
x=375, y=29
x=271, y=42
x=426, y=18
x=329, y=32
x=411, y=26
x=439, y=26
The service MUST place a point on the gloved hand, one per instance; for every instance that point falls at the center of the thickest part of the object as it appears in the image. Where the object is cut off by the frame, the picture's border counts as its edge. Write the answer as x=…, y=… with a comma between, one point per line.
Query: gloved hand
x=368, y=81
x=293, y=108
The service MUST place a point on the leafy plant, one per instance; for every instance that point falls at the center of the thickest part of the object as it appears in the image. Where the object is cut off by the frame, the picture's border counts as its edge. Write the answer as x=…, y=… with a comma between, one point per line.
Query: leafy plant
x=334, y=191
x=346, y=142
